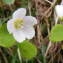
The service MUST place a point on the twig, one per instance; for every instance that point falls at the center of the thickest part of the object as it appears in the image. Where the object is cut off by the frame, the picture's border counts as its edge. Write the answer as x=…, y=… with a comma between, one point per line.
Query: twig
x=5, y=59
x=29, y=7
x=61, y=2
x=48, y=2
x=55, y=55
x=49, y=45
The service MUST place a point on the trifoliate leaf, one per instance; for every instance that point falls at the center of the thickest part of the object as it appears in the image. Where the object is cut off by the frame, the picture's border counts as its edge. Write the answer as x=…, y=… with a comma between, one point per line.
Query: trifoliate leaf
x=27, y=49
x=56, y=33
x=8, y=1
x=6, y=39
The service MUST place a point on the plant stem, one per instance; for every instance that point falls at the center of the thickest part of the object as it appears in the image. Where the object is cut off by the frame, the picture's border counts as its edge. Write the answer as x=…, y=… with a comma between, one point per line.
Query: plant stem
x=49, y=45
x=19, y=55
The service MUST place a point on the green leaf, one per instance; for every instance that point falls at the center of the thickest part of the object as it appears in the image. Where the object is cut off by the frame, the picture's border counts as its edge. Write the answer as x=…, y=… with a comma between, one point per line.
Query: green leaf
x=28, y=50
x=6, y=39
x=8, y=1
x=56, y=34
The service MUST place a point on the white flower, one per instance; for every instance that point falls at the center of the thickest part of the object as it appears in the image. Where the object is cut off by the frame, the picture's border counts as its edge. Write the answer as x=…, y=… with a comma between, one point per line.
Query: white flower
x=58, y=13
x=59, y=10
x=21, y=26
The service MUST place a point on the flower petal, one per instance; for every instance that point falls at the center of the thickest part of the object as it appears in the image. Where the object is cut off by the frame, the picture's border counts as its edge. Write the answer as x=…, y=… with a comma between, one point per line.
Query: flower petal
x=19, y=13
x=59, y=10
x=19, y=36
x=10, y=27
x=29, y=32
x=29, y=20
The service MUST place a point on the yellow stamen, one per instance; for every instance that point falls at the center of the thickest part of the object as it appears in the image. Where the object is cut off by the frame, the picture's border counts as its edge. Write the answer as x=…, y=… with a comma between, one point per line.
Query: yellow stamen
x=18, y=23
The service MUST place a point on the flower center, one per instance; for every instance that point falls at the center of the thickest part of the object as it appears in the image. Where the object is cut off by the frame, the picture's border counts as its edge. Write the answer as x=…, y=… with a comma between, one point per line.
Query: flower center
x=18, y=23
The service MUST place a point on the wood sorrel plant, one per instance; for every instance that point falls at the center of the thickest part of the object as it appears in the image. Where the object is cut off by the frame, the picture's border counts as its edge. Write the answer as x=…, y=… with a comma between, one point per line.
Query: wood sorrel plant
x=57, y=31
x=18, y=31
x=56, y=34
